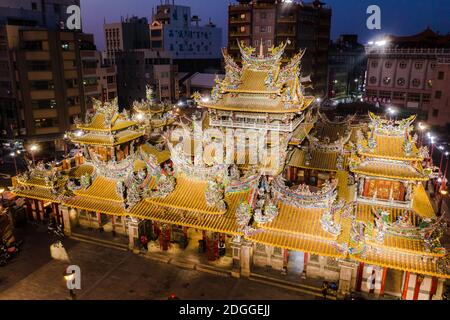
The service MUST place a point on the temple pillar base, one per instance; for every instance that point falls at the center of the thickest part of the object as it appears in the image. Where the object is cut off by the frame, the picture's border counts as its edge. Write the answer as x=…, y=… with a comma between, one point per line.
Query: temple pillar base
x=347, y=277
x=65, y=213
x=133, y=232
x=246, y=258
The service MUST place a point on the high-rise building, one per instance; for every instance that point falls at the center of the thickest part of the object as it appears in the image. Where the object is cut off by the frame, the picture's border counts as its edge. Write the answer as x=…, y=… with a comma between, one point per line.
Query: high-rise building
x=305, y=25
x=346, y=67
x=48, y=76
x=403, y=71
x=193, y=46
x=128, y=34
x=141, y=67
x=99, y=79
x=50, y=14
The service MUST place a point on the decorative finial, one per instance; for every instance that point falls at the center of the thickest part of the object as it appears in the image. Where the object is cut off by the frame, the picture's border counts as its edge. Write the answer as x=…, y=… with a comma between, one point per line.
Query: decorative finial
x=261, y=49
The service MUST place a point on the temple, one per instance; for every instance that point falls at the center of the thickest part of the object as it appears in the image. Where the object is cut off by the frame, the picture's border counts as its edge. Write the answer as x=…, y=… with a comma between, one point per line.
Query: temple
x=257, y=177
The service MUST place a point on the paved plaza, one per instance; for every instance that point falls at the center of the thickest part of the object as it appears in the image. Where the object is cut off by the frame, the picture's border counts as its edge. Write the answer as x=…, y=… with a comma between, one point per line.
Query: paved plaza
x=109, y=273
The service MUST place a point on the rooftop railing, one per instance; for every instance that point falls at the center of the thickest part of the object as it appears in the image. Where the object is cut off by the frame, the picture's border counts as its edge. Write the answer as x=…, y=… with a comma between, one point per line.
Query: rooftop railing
x=433, y=51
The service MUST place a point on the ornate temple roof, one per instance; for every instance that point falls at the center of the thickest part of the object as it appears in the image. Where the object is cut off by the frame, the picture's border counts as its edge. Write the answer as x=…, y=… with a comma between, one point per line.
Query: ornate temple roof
x=260, y=85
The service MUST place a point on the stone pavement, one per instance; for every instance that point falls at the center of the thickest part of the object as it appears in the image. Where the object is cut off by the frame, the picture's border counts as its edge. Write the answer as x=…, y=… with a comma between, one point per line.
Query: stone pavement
x=108, y=273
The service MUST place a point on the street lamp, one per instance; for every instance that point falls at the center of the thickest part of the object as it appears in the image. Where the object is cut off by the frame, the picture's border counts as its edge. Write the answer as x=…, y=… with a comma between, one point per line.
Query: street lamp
x=1, y=193
x=33, y=149
x=422, y=127
x=13, y=155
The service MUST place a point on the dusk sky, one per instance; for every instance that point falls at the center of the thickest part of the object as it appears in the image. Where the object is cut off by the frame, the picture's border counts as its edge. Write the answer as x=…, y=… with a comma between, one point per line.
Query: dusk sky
x=400, y=17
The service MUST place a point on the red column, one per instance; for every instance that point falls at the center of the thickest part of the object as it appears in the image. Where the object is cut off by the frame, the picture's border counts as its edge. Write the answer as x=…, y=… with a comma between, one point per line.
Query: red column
x=406, y=285
x=99, y=219
x=383, y=280
x=43, y=210
x=37, y=210
x=285, y=257
x=305, y=261
x=417, y=287
x=29, y=209
x=434, y=283
x=359, y=276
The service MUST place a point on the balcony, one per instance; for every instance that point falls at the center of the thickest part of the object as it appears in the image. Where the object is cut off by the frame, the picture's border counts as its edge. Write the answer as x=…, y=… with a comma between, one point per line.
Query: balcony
x=239, y=34
x=286, y=20
x=286, y=33
x=42, y=94
x=256, y=125
x=234, y=20
x=91, y=89
x=406, y=51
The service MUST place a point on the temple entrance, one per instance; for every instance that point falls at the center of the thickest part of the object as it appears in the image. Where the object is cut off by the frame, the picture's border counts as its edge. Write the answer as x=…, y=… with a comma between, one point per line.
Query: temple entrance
x=384, y=189
x=295, y=264
x=194, y=245
x=393, y=284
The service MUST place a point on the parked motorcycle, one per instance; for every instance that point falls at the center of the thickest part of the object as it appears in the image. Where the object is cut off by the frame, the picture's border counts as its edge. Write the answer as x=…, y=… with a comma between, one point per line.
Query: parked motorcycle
x=55, y=230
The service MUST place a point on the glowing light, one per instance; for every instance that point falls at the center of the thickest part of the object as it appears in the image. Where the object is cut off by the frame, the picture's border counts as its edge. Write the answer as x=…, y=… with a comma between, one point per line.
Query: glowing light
x=12, y=154
x=422, y=126
x=318, y=99
x=444, y=192
x=439, y=180
x=180, y=103
x=441, y=147
x=2, y=190
x=140, y=116
x=381, y=43
x=391, y=111
x=205, y=99
x=446, y=153
x=34, y=147
x=370, y=43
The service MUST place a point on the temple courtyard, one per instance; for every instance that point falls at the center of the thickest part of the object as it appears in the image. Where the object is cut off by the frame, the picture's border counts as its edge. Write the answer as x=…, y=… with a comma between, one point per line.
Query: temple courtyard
x=111, y=273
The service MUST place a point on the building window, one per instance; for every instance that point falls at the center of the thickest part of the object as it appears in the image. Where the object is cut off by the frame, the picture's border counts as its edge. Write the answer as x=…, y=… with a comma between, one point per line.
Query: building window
x=433, y=65
x=242, y=29
x=263, y=15
x=438, y=94
x=374, y=64
x=65, y=46
x=418, y=65
x=34, y=45
x=399, y=95
x=430, y=83
x=243, y=16
x=416, y=82
x=401, y=81
x=388, y=65
x=263, y=29
x=403, y=65
x=435, y=113
x=373, y=80
x=42, y=85
x=414, y=97
x=72, y=83
x=440, y=75
x=73, y=101
x=385, y=94
x=387, y=80
x=46, y=123
x=426, y=98
x=43, y=104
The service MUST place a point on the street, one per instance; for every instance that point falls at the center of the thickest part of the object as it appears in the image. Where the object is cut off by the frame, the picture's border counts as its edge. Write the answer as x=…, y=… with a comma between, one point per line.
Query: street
x=108, y=273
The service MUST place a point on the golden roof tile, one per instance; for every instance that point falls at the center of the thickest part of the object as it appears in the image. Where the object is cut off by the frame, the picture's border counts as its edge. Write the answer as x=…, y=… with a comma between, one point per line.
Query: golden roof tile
x=393, y=170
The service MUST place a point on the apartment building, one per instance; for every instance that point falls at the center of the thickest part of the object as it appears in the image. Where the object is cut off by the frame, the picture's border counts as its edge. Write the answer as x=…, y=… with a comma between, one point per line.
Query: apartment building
x=439, y=113
x=99, y=79
x=194, y=46
x=128, y=34
x=403, y=71
x=48, y=76
x=141, y=67
x=305, y=25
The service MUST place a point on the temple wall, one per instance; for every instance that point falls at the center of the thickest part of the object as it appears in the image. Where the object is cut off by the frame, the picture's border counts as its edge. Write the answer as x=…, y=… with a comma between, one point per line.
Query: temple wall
x=264, y=256
x=323, y=267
